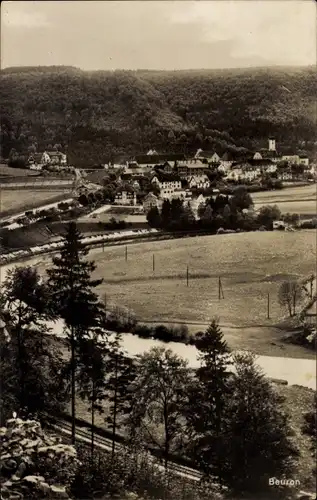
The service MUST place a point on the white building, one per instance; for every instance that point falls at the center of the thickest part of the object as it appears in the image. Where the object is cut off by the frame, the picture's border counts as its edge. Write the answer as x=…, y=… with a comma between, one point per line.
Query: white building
x=166, y=181
x=125, y=198
x=199, y=182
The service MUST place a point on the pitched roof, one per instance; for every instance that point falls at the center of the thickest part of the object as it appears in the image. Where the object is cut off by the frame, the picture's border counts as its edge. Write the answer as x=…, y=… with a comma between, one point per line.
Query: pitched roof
x=36, y=156
x=193, y=164
x=164, y=177
x=161, y=158
x=267, y=153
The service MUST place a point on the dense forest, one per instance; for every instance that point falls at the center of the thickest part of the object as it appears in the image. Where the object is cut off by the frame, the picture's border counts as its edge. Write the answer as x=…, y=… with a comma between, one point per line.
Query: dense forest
x=100, y=116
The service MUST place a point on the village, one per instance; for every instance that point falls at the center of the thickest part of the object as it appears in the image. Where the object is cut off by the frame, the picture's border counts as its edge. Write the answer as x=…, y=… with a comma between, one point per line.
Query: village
x=190, y=179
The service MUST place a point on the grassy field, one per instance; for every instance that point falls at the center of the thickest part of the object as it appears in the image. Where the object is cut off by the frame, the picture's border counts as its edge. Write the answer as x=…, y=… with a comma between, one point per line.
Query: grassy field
x=301, y=200
x=250, y=266
x=6, y=171
x=27, y=198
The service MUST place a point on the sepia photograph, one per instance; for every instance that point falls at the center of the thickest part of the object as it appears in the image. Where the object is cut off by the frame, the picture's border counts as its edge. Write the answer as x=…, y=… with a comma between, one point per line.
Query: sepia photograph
x=158, y=250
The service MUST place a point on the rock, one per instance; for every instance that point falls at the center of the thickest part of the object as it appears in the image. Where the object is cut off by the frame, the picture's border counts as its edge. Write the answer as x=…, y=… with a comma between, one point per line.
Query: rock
x=59, y=491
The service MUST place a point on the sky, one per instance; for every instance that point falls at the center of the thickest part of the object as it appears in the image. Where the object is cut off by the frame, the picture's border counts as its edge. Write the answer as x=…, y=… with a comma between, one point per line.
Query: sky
x=108, y=35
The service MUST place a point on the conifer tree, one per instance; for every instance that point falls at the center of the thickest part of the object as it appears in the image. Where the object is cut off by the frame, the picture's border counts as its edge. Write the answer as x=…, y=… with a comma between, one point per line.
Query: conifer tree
x=75, y=300
x=208, y=398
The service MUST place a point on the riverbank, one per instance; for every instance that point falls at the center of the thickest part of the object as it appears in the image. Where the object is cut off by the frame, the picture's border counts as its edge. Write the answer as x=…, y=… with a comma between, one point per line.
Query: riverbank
x=259, y=335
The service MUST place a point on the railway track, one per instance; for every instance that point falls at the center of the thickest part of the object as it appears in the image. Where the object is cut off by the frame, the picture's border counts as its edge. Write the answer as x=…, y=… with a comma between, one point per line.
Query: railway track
x=63, y=428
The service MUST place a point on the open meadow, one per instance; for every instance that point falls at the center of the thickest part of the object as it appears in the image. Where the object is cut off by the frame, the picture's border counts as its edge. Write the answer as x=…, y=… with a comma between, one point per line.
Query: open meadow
x=301, y=200
x=250, y=266
x=24, y=199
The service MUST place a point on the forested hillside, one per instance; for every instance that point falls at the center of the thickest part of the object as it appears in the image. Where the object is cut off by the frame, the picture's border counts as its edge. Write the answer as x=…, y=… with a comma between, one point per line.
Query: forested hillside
x=103, y=115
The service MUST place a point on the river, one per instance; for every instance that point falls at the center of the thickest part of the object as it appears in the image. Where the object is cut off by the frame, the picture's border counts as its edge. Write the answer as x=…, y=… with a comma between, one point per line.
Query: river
x=294, y=370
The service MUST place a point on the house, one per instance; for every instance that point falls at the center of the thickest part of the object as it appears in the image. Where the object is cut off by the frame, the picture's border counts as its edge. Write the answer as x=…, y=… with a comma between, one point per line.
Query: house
x=36, y=166
x=48, y=158
x=257, y=156
x=215, y=158
x=194, y=167
x=279, y=224
x=150, y=160
x=285, y=175
x=199, y=182
x=57, y=158
x=226, y=162
x=304, y=160
x=173, y=194
x=235, y=173
x=291, y=158
x=166, y=181
x=39, y=159
x=124, y=197
x=150, y=201
x=194, y=203
x=250, y=172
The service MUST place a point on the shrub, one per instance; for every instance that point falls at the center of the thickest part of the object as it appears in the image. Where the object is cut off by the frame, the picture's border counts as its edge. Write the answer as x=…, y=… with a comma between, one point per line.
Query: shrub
x=132, y=474
x=309, y=224
x=143, y=331
x=179, y=334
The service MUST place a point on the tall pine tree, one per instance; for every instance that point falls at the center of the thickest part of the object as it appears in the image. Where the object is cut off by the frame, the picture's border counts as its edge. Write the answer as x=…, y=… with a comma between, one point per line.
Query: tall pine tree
x=75, y=300
x=208, y=398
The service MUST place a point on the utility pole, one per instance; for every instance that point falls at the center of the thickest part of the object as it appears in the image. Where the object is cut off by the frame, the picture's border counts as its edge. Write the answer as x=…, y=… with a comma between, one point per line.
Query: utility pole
x=126, y=253
x=153, y=264
x=187, y=276
x=268, y=306
x=220, y=290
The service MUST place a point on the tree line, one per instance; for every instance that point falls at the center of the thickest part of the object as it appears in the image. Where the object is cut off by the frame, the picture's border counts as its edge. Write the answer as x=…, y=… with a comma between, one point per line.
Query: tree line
x=102, y=116
x=221, y=212
x=225, y=417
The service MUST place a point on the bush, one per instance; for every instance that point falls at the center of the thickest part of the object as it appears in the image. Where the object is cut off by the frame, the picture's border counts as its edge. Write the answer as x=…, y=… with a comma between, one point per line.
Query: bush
x=309, y=224
x=143, y=331
x=161, y=332
x=132, y=473
x=180, y=334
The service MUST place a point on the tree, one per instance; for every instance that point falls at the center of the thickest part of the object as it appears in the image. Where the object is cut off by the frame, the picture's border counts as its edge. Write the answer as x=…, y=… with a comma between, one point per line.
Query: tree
x=257, y=439
x=268, y=214
x=160, y=392
x=153, y=217
x=241, y=198
x=188, y=217
x=166, y=213
x=291, y=219
x=289, y=293
x=35, y=367
x=120, y=375
x=171, y=136
x=205, y=413
x=35, y=465
x=91, y=377
x=75, y=301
